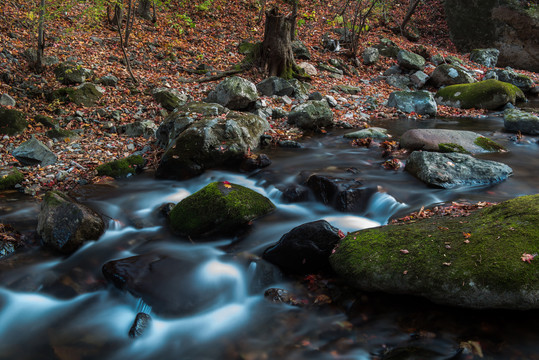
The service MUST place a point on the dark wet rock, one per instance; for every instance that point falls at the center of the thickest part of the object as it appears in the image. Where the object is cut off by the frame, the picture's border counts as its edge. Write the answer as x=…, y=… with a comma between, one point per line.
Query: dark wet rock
x=300, y=50
x=140, y=324
x=255, y=162
x=12, y=122
x=515, y=120
x=289, y=144
x=486, y=271
x=387, y=48
x=451, y=170
x=372, y=132
x=370, y=56
x=294, y=193
x=145, y=128
x=234, y=93
x=485, y=57
x=122, y=167
x=9, y=177
x=410, y=61
x=218, y=208
x=437, y=59
x=447, y=74
x=278, y=296
x=86, y=94
x=65, y=225
x=301, y=89
x=304, y=249
x=10, y=240
x=488, y=94
x=343, y=194
x=275, y=85
x=69, y=73
x=60, y=134
x=444, y=140
x=419, y=79
x=46, y=121
x=169, y=99
x=420, y=102
x=173, y=285
x=311, y=115
x=330, y=69
x=523, y=82
x=197, y=140
x=34, y=152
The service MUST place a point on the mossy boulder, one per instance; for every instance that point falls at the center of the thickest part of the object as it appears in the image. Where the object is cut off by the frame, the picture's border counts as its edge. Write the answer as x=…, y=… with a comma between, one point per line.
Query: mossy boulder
x=65, y=225
x=372, y=132
x=311, y=115
x=46, y=121
x=86, y=94
x=12, y=122
x=219, y=208
x=525, y=122
x=420, y=102
x=169, y=99
x=9, y=177
x=410, y=61
x=121, y=167
x=488, y=94
x=60, y=134
x=69, y=73
x=445, y=140
x=235, y=93
x=473, y=262
x=485, y=57
x=523, y=82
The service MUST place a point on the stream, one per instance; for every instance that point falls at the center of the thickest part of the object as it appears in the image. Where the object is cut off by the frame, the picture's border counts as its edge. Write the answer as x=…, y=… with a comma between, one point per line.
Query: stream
x=61, y=307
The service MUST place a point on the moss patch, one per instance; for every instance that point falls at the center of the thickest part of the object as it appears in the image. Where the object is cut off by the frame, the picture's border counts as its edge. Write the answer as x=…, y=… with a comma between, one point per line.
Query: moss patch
x=12, y=121
x=60, y=134
x=9, y=180
x=450, y=260
x=219, y=207
x=488, y=144
x=489, y=94
x=122, y=167
x=450, y=147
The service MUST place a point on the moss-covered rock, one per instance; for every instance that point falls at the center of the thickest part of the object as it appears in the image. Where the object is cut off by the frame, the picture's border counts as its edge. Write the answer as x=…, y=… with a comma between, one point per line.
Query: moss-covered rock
x=60, y=134
x=516, y=120
x=488, y=94
x=70, y=73
x=218, y=208
x=12, y=122
x=121, y=167
x=472, y=262
x=9, y=177
x=46, y=121
x=372, y=132
x=447, y=74
x=446, y=140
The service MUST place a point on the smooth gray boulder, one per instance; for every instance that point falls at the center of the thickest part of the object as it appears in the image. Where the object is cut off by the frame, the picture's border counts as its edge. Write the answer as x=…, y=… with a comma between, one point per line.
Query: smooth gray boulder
x=300, y=50
x=144, y=128
x=34, y=152
x=7, y=100
x=421, y=102
x=311, y=115
x=447, y=74
x=399, y=81
x=169, y=98
x=523, y=82
x=370, y=56
x=452, y=170
x=485, y=57
x=234, y=93
x=515, y=120
x=86, y=94
x=70, y=73
x=372, y=132
x=201, y=142
x=444, y=140
x=410, y=61
x=275, y=85
x=65, y=225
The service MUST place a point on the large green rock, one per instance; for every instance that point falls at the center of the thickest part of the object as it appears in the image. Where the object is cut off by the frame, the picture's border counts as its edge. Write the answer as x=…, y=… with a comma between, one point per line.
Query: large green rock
x=9, y=177
x=218, y=208
x=69, y=73
x=471, y=262
x=12, y=122
x=525, y=122
x=488, y=94
x=122, y=167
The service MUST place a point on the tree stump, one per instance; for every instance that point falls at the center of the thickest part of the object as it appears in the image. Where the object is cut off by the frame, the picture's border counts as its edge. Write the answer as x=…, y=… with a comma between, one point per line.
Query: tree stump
x=277, y=57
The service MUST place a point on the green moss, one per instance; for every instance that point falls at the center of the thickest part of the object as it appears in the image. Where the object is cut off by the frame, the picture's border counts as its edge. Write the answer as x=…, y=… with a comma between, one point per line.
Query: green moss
x=450, y=147
x=122, y=167
x=46, y=121
x=59, y=134
x=488, y=94
x=439, y=258
x=218, y=208
x=12, y=122
x=488, y=144
x=11, y=179
x=55, y=198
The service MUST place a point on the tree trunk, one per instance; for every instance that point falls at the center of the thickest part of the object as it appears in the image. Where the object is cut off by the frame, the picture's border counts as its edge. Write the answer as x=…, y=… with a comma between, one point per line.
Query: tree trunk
x=411, y=9
x=144, y=9
x=117, y=16
x=40, y=38
x=293, y=23
x=276, y=56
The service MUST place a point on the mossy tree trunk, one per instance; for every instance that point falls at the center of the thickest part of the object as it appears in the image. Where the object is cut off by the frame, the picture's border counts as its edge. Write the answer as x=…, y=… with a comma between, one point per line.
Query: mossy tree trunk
x=277, y=57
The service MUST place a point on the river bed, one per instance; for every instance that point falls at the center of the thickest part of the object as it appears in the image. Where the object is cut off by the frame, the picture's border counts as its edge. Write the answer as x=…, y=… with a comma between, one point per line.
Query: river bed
x=60, y=307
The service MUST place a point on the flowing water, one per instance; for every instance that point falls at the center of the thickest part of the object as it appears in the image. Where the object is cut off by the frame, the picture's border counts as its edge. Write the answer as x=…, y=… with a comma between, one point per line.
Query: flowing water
x=60, y=307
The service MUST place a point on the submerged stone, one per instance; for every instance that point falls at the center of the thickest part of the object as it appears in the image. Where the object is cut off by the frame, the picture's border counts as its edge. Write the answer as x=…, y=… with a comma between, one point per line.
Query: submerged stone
x=516, y=120
x=218, y=208
x=445, y=140
x=12, y=122
x=432, y=258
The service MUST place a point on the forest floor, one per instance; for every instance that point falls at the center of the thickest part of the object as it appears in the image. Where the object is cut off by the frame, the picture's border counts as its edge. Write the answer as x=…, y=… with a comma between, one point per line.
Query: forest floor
x=184, y=37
